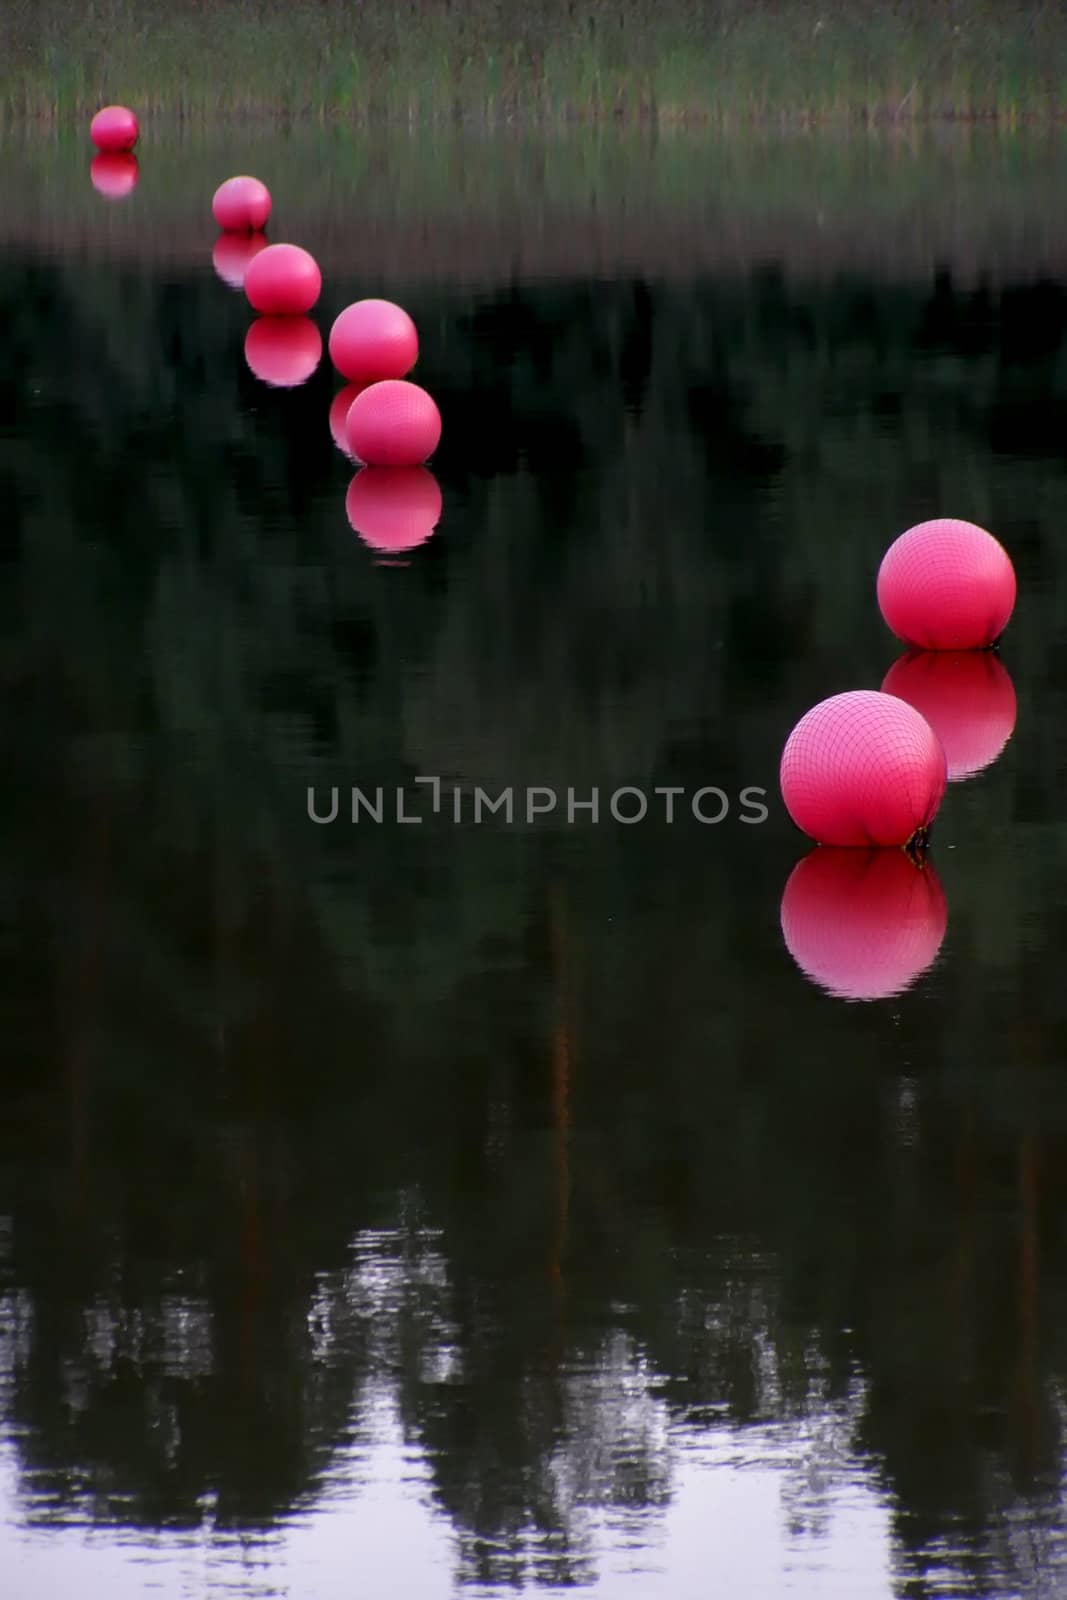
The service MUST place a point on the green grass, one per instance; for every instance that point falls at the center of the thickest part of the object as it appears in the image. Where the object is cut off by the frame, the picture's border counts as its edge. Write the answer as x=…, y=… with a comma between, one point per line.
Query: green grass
x=726, y=62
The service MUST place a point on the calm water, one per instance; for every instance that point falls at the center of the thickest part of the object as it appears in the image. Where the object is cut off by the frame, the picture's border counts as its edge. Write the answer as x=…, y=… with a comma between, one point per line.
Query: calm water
x=451, y=1208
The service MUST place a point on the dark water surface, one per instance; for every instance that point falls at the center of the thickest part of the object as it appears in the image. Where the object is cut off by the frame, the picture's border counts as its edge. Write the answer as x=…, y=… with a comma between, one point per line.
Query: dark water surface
x=437, y=1208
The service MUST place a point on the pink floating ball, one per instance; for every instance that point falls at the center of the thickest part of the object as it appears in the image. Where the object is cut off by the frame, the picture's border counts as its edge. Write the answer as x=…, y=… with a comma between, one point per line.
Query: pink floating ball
x=394, y=508
x=393, y=424
x=283, y=351
x=863, y=768
x=233, y=253
x=946, y=585
x=968, y=700
x=863, y=924
x=114, y=129
x=114, y=176
x=372, y=340
x=283, y=281
x=241, y=205
x=339, y=410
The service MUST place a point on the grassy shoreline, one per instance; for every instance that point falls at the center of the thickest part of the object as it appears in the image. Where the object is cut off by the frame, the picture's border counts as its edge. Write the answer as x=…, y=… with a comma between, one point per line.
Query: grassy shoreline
x=722, y=62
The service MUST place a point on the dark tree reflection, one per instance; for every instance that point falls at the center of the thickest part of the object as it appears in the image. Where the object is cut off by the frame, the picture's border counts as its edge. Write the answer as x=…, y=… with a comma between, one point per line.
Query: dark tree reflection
x=534, y=1135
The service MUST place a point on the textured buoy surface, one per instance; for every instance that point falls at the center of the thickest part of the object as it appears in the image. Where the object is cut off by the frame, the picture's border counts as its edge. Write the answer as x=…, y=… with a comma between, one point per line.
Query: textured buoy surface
x=114, y=176
x=283, y=351
x=393, y=424
x=241, y=205
x=394, y=508
x=861, y=924
x=372, y=340
x=233, y=253
x=968, y=699
x=339, y=410
x=863, y=769
x=114, y=129
x=947, y=585
x=283, y=281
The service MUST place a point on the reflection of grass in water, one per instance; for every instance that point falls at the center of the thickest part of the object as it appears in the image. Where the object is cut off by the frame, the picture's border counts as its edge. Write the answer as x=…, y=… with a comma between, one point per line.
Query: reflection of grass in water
x=728, y=62
x=331, y=177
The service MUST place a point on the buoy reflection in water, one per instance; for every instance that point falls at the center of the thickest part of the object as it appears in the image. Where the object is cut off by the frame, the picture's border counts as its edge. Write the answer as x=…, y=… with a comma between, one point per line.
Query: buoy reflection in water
x=863, y=924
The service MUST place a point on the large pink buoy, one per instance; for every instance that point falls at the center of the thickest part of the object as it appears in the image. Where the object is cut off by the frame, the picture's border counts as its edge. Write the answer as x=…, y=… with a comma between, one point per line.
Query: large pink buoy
x=233, y=253
x=339, y=409
x=283, y=281
x=114, y=176
x=863, y=768
x=394, y=508
x=393, y=424
x=947, y=585
x=372, y=340
x=241, y=205
x=283, y=351
x=863, y=924
x=114, y=129
x=968, y=700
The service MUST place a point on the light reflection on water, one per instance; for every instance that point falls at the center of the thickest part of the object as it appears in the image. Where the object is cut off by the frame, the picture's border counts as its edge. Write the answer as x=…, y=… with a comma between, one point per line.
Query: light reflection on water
x=759, y=1512
x=770, y=1509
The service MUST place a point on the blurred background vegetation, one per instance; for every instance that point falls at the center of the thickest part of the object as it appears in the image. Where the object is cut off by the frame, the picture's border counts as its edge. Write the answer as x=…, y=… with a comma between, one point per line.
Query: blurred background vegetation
x=722, y=61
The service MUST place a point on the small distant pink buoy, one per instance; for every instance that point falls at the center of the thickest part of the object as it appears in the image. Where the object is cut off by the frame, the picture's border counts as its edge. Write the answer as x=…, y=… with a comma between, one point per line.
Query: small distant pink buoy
x=339, y=409
x=393, y=424
x=283, y=351
x=233, y=253
x=373, y=340
x=241, y=205
x=863, y=925
x=114, y=176
x=283, y=281
x=394, y=508
x=863, y=769
x=968, y=700
x=947, y=585
x=114, y=129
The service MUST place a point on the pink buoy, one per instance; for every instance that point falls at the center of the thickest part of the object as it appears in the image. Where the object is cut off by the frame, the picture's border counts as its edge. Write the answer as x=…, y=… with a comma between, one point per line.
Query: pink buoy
x=339, y=410
x=863, y=925
x=373, y=340
x=114, y=176
x=283, y=351
x=241, y=205
x=283, y=281
x=947, y=585
x=968, y=700
x=114, y=129
x=393, y=424
x=863, y=768
x=394, y=508
x=233, y=253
